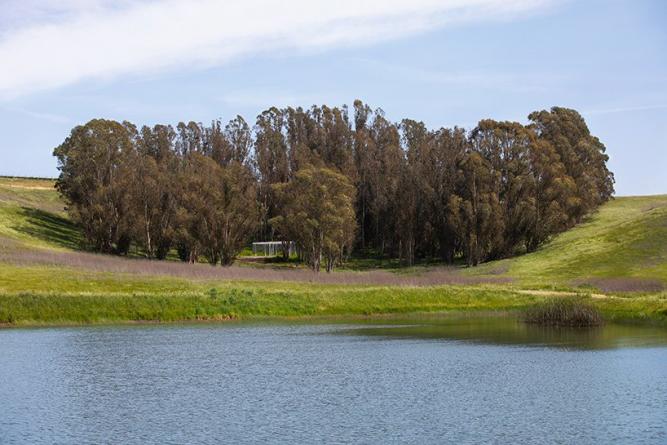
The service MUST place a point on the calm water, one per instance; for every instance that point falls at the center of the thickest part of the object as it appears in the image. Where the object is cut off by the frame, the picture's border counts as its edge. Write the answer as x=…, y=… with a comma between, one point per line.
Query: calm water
x=427, y=381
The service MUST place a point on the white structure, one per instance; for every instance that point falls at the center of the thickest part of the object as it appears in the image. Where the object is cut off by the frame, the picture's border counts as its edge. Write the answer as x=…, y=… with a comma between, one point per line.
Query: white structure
x=271, y=248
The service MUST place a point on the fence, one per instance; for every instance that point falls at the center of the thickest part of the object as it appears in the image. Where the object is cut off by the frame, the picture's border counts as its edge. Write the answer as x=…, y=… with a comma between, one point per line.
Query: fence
x=271, y=248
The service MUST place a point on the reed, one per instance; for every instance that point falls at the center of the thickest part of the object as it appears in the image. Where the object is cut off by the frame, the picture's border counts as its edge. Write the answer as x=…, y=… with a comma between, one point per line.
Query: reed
x=563, y=312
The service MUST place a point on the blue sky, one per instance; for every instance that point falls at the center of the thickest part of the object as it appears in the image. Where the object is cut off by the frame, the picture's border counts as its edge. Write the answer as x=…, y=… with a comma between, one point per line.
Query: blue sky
x=446, y=62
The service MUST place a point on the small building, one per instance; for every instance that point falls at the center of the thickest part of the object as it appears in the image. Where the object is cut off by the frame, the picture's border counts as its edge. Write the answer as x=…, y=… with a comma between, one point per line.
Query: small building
x=271, y=248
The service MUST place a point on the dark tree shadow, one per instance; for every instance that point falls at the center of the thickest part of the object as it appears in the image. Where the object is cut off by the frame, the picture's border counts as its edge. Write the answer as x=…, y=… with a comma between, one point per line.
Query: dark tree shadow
x=50, y=227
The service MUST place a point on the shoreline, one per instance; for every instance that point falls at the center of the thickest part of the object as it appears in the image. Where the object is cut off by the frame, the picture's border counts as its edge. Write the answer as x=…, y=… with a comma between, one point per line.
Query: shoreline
x=240, y=304
x=291, y=320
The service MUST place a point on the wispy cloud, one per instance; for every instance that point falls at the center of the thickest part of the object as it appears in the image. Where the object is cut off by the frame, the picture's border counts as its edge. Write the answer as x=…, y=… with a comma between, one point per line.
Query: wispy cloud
x=49, y=117
x=65, y=42
x=525, y=81
x=625, y=109
x=19, y=13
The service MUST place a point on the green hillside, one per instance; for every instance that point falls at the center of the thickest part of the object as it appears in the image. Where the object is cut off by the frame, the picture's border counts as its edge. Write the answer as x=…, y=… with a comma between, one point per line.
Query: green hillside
x=32, y=213
x=621, y=247
x=618, y=259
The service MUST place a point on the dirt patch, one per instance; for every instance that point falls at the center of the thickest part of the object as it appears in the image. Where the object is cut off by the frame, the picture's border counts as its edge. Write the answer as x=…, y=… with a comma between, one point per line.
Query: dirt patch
x=555, y=293
x=28, y=187
x=107, y=263
x=622, y=284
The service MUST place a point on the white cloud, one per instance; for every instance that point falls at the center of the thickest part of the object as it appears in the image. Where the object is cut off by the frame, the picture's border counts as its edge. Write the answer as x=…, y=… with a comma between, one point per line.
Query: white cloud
x=19, y=13
x=65, y=42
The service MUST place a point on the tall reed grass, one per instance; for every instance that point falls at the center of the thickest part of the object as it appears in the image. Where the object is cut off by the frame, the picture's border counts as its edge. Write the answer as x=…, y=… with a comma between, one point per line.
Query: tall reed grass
x=563, y=312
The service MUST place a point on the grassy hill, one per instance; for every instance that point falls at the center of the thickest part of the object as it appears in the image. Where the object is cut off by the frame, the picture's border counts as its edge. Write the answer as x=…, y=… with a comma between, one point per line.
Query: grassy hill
x=623, y=247
x=32, y=213
x=618, y=259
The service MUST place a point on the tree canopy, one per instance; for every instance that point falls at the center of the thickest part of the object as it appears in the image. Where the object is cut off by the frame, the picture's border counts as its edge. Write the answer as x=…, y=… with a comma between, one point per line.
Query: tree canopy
x=317, y=213
x=335, y=184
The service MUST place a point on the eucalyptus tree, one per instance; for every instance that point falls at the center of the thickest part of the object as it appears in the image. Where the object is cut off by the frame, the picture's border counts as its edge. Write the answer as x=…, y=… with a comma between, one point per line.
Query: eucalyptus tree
x=366, y=165
x=301, y=139
x=94, y=170
x=582, y=154
x=507, y=146
x=332, y=138
x=317, y=213
x=449, y=149
x=554, y=190
x=240, y=139
x=386, y=163
x=271, y=162
x=218, y=209
x=152, y=190
x=413, y=225
x=190, y=138
x=320, y=178
x=476, y=208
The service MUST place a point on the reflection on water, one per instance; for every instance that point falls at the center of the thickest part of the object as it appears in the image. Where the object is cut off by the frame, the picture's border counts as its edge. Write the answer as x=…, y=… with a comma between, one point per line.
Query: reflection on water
x=508, y=331
x=409, y=381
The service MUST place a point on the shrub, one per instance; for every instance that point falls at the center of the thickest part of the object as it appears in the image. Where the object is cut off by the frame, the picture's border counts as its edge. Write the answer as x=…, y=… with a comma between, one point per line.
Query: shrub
x=563, y=312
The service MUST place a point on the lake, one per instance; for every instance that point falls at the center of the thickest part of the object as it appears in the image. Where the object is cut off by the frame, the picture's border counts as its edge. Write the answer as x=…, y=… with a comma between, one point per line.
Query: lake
x=400, y=381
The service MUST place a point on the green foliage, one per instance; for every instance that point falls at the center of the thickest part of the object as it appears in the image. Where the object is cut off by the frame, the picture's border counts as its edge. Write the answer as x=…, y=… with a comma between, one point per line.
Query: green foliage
x=218, y=211
x=477, y=209
x=582, y=154
x=501, y=189
x=95, y=162
x=317, y=213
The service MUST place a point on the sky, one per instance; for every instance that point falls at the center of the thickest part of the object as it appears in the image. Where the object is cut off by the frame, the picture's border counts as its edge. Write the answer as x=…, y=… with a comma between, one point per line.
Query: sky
x=444, y=62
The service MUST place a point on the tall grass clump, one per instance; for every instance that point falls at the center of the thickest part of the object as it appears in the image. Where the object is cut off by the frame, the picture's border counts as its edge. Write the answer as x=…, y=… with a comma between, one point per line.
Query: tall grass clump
x=563, y=312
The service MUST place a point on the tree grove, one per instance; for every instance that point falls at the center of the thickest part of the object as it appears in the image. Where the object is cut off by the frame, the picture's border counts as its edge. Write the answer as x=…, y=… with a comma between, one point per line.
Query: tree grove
x=334, y=184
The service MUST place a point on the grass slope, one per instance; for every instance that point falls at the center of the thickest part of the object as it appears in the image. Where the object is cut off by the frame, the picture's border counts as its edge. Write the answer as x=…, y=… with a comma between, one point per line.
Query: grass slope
x=627, y=240
x=31, y=212
x=621, y=247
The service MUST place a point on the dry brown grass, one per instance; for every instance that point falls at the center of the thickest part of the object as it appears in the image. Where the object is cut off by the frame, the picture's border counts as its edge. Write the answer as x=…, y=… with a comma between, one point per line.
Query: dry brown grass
x=30, y=187
x=106, y=263
x=623, y=284
x=6, y=244
x=27, y=183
